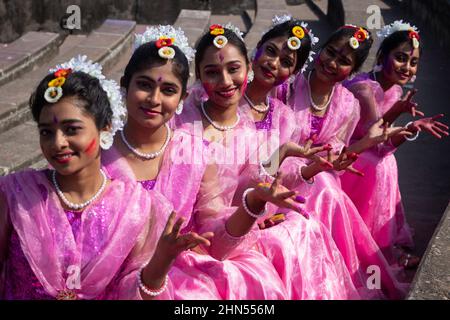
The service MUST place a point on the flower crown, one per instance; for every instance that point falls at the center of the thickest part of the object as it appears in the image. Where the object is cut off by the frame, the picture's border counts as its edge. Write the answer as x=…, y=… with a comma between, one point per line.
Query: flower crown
x=298, y=33
x=81, y=64
x=218, y=31
x=358, y=37
x=166, y=37
x=399, y=25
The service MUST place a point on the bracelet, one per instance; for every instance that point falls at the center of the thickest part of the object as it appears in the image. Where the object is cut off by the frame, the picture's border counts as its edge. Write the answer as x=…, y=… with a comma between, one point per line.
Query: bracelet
x=246, y=208
x=310, y=181
x=148, y=291
x=413, y=138
x=263, y=172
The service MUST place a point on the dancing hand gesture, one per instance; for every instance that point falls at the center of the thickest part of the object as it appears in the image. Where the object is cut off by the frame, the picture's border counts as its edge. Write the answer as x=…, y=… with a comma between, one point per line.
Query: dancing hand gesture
x=431, y=126
x=171, y=243
x=344, y=161
x=406, y=105
x=280, y=196
x=380, y=132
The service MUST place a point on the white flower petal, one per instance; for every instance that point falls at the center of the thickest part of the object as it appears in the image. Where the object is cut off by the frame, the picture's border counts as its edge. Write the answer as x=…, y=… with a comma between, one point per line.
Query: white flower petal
x=48, y=92
x=294, y=43
x=166, y=53
x=354, y=43
x=219, y=39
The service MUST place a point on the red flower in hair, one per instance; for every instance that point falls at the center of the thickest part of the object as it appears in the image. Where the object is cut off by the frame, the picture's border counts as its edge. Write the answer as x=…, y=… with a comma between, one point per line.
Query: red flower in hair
x=215, y=26
x=414, y=34
x=164, y=42
x=62, y=73
x=360, y=35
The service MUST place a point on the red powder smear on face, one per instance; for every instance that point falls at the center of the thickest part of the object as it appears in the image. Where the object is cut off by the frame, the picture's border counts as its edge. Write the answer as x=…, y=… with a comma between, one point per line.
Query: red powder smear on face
x=91, y=146
x=208, y=87
x=221, y=57
x=244, y=85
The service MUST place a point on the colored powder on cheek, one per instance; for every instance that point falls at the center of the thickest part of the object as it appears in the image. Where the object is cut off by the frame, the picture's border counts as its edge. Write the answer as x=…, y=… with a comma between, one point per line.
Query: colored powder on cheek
x=258, y=54
x=208, y=88
x=90, y=149
x=244, y=85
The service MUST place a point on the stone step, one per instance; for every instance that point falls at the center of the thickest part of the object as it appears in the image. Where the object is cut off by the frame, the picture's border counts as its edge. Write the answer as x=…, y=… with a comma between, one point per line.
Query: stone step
x=194, y=23
x=265, y=10
x=236, y=20
x=26, y=53
x=104, y=45
x=19, y=148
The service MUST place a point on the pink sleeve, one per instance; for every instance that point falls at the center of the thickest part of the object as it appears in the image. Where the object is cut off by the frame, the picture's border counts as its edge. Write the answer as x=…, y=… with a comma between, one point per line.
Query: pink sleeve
x=125, y=285
x=212, y=210
x=342, y=137
x=292, y=178
x=370, y=113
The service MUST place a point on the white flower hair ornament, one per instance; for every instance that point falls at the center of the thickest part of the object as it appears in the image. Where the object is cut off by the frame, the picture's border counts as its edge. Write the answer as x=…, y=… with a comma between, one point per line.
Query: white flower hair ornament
x=166, y=37
x=218, y=31
x=298, y=33
x=399, y=25
x=358, y=37
x=112, y=89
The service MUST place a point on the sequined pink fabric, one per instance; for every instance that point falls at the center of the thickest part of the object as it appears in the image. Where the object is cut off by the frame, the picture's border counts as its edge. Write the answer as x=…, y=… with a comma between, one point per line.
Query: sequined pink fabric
x=230, y=268
x=377, y=195
x=107, y=244
x=328, y=202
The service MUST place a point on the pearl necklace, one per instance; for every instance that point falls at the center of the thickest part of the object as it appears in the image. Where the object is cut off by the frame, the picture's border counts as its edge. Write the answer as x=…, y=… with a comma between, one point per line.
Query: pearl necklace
x=151, y=155
x=75, y=206
x=313, y=105
x=260, y=110
x=215, y=125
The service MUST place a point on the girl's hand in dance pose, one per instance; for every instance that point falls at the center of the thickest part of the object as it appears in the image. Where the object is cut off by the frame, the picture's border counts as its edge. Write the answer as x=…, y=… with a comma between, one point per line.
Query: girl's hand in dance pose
x=406, y=105
x=277, y=194
x=307, y=151
x=379, y=132
x=171, y=243
x=344, y=161
x=430, y=125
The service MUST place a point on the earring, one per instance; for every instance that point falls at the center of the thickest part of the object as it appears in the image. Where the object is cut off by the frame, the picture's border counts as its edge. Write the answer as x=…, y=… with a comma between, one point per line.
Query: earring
x=179, y=109
x=106, y=140
x=413, y=78
x=378, y=68
x=250, y=76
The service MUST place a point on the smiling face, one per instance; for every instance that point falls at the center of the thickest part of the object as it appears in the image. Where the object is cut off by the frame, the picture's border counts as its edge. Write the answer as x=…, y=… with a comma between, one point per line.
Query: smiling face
x=274, y=62
x=401, y=64
x=68, y=136
x=153, y=95
x=223, y=73
x=335, y=62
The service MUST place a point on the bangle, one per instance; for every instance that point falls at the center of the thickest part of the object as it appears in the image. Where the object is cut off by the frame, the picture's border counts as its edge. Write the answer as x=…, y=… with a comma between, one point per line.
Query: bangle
x=246, y=208
x=310, y=181
x=413, y=138
x=148, y=291
x=263, y=172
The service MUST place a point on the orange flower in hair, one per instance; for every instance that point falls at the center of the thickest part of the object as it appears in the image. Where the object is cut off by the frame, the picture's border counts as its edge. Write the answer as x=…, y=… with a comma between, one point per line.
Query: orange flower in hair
x=164, y=42
x=360, y=35
x=216, y=29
